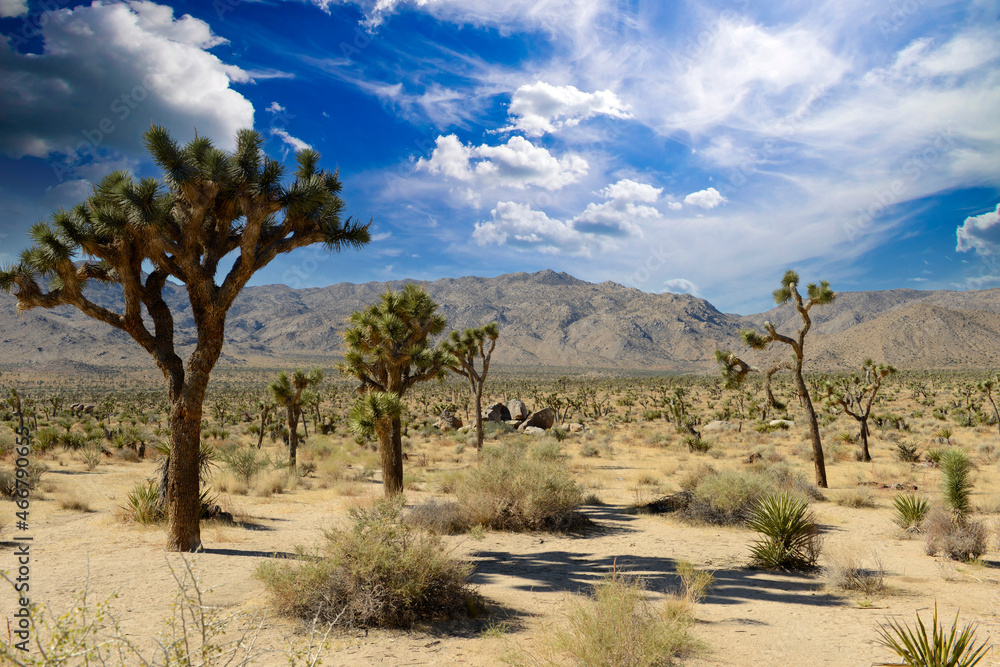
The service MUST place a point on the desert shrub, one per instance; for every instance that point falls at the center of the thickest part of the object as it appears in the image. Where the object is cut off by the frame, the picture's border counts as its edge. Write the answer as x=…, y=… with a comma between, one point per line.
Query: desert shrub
x=907, y=452
x=989, y=453
x=547, y=450
x=275, y=481
x=377, y=572
x=245, y=462
x=494, y=430
x=589, y=450
x=730, y=496
x=955, y=536
x=858, y=498
x=127, y=455
x=696, y=444
x=32, y=478
x=910, y=511
x=91, y=456
x=956, y=480
x=915, y=647
x=618, y=625
x=441, y=518
x=933, y=456
x=142, y=504
x=509, y=490
x=694, y=582
x=848, y=570
x=46, y=438
x=789, y=535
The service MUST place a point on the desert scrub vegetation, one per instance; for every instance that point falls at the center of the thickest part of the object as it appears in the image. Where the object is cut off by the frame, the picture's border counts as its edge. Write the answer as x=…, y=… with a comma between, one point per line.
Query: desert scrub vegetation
x=789, y=535
x=619, y=625
x=940, y=648
x=729, y=497
x=511, y=489
x=378, y=572
x=911, y=510
x=852, y=569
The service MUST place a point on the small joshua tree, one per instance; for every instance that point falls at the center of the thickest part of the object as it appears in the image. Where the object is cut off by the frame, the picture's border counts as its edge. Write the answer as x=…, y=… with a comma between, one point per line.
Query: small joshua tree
x=855, y=397
x=464, y=349
x=988, y=387
x=735, y=370
x=291, y=392
x=211, y=205
x=388, y=352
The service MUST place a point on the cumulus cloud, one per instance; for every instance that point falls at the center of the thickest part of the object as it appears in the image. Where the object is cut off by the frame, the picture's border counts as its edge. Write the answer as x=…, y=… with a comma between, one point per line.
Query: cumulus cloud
x=516, y=164
x=540, y=108
x=623, y=214
x=980, y=233
x=709, y=198
x=12, y=8
x=107, y=71
x=519, y=225
x=681, y=286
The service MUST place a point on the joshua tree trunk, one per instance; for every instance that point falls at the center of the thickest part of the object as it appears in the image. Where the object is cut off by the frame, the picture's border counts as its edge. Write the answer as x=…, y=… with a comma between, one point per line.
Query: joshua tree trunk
x=479, y=414
x=865, y=454
x=293, y=435
x=818, y=459
x=390, y=445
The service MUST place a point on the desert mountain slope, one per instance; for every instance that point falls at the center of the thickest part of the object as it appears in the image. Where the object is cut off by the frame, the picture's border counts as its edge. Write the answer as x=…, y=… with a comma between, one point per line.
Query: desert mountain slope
x=548, y=319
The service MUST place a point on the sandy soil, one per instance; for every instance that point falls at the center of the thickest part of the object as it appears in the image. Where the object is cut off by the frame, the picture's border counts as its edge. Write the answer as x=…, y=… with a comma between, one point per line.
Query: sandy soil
x=749, y=617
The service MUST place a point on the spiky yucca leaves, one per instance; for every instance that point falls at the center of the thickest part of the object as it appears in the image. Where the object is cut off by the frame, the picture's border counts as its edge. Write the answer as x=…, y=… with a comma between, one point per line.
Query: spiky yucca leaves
x=790, y=535
x=910, y=510
x=289, y=392
x=735, y=370
x=956, y=481
x=388, y=351
x=915, y=647
x=139, y=233
x=463, y=349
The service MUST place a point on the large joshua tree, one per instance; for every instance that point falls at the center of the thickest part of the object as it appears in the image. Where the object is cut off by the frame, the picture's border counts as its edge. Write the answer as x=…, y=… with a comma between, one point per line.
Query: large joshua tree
x=855, y=396
x=292, y=392
x=735, y=370
x=210, y=204
x=464, y=349
x=388, y=352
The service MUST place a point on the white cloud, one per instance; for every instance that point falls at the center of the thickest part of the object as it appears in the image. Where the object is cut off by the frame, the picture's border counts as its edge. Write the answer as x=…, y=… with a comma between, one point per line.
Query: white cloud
x=519, y=225
x=540, y=108
x=980, y=233
x=107, y=72
x=629, y=190
x=622, y=215
x=674, y=205
x=681, y=286
x=294, y=143
x=709, y=198
x=381, y=236
x=275, y=108
x=516, y=164
x=12, y=8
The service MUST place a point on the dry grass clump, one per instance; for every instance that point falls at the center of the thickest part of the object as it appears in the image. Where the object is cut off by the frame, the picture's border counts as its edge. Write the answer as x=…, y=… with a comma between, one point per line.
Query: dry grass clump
x=955, y=536
x=510, y=490
x=849, y=569
x=859, y=498
x=730, y=496
x=74, y=501
x=376, y=573
x=619, y=625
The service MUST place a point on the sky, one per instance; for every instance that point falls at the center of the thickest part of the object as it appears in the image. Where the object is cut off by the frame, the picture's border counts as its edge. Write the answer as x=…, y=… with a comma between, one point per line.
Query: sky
x=699, y=147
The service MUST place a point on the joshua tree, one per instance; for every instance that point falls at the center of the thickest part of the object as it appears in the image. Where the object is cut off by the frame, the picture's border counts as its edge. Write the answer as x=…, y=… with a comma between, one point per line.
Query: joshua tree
x=290, y=392
x=735, y=370
x=211, y=205
x=987, y=387
x=387, y=350
x=855, y=396
x=464, y=349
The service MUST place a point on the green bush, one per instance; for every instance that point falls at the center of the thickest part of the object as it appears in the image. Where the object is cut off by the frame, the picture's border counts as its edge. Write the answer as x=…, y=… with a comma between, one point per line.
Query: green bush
x=910, y=511
x=729, y=497
x=790, y=538
x=245, y=462
x=376, y=573
x=907, y=452
x=915, y=647
x=956, y=480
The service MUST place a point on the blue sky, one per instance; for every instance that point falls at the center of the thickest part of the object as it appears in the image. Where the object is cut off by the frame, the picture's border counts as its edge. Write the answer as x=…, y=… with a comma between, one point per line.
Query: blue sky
x=691, y=146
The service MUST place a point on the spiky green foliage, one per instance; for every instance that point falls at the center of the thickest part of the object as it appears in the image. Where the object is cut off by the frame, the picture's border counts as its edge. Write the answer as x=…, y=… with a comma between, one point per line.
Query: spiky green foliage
x=388, y=351
x=938, y=649
x=373, y=411
x=463, y=350
x=789, y=533
x=910, y=510
x=140, y=233
x=956, y=480
x=291, y=391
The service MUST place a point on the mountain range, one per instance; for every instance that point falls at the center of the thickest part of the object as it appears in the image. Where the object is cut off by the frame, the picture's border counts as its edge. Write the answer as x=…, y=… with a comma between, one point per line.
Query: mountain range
x=546, y=319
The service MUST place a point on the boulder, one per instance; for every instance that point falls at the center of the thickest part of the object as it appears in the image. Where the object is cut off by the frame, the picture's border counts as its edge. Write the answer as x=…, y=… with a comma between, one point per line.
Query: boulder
x=782, y=422
x=448, y=422
x=543, y=419
x=717, y=426
x=517, y=409
x=534, y=430
x=497, y=412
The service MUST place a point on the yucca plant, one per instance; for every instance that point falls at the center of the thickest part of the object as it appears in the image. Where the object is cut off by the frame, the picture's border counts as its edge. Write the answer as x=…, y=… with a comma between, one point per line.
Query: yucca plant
x=790, y=535
x=910, y=511
x=956, y=480
x=916, y=648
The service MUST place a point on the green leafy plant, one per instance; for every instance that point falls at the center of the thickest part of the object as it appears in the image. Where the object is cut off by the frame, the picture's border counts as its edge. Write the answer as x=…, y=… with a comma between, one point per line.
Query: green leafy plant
x=907, y=452
x=915, y=647
x=245, y=462
x=910, y=511
x=956, y=480
x=790, y=535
